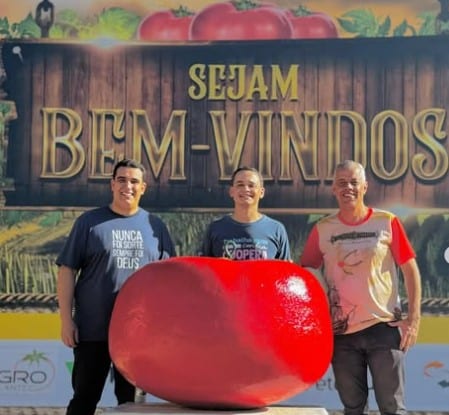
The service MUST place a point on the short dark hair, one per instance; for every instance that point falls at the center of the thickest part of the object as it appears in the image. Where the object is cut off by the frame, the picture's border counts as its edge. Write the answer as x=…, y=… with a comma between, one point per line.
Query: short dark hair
x=246, y=168
x=133, y=164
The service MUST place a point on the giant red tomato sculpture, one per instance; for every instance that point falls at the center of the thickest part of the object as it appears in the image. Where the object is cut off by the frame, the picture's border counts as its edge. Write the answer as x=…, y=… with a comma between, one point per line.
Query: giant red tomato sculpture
x=220, y=334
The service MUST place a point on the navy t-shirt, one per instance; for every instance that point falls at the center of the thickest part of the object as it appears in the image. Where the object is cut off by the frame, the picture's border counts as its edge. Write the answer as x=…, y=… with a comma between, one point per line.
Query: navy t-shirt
x=264, y=238
x=106, y=248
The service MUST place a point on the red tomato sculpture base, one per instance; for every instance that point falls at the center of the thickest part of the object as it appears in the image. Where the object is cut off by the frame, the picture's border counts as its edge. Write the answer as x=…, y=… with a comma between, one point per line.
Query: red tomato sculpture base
x=219, y=334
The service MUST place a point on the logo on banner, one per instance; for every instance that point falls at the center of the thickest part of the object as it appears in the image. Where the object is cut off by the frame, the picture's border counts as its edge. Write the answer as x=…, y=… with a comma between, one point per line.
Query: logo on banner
x=438, y=372
x=33, y=372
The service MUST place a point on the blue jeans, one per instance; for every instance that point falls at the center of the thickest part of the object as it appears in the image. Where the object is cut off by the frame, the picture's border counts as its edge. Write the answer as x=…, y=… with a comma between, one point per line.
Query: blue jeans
x=377, y=349
x=90, y=370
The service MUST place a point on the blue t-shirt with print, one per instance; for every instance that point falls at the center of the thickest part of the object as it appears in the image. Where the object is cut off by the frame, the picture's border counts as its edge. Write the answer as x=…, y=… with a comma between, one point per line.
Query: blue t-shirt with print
x=264, y=238
x=106, y=248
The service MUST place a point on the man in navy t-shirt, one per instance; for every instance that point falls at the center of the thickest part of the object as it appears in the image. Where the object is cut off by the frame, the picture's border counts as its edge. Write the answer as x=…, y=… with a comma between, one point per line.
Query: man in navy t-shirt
x=246, y=234
x=105, y=246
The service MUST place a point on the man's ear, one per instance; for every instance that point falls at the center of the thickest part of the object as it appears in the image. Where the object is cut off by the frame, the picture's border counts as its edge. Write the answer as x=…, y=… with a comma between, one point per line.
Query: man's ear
x=262, y=192
x=333, y=188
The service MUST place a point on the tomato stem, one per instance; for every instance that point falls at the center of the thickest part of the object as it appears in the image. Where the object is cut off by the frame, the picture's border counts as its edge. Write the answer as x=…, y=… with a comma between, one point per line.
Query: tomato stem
x=301, y=11
x=245, y=4
x=182, y=11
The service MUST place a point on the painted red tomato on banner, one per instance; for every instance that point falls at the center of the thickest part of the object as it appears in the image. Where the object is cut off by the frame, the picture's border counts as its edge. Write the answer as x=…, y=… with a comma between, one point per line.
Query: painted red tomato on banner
x=311, y=25
x=240, y=20
x=166, y=25
x=219, y=334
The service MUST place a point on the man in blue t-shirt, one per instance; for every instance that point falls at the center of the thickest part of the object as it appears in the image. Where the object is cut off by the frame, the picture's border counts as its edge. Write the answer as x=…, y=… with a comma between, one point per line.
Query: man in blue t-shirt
x=246, y=233
x=105, y=246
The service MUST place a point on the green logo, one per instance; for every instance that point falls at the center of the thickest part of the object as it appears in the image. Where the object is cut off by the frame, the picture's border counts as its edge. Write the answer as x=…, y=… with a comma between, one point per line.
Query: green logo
x=69, y=366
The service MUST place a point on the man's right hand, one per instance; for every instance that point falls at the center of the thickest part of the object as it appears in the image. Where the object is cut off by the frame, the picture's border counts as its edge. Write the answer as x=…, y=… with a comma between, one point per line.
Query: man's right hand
x=66, y=290
x=69, y=333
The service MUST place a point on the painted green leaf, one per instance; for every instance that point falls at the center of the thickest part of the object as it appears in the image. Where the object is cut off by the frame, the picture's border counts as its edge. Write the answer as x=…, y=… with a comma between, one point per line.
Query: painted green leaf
x=115, y=22
x=401, y=29
x=428, y=24
x=67, y=25
x=27, y=28
x=361, y=22
x=384, y=27
x=348, y=25
x=4, y=26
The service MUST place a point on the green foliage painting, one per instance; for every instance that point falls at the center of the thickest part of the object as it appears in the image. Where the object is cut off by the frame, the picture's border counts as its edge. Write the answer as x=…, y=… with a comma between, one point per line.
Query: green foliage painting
x=30, y=242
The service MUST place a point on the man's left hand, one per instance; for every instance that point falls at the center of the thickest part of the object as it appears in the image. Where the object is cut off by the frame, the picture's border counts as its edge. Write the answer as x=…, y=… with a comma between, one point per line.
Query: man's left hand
x=409, y=332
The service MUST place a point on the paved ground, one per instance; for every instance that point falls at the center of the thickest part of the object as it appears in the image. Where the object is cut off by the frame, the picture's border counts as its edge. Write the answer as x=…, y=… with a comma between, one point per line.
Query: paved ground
x=61, y=411
x=33, y=411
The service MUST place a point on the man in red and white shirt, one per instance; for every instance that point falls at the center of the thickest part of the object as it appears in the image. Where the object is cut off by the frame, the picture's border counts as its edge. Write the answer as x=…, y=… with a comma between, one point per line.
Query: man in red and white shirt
x=359, y=250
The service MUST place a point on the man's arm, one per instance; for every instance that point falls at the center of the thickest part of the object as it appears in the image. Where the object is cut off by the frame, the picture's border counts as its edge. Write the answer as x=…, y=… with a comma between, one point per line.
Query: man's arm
x=410, y=326
x=65, y=291
x=284, y=245
x=168, y=247
x=206, y=244
x=311, y=256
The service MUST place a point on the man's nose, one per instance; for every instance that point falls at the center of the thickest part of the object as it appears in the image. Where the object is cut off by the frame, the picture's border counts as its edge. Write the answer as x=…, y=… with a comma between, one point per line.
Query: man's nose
x=247, y=187
x=128, y=183
x=348, y=185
